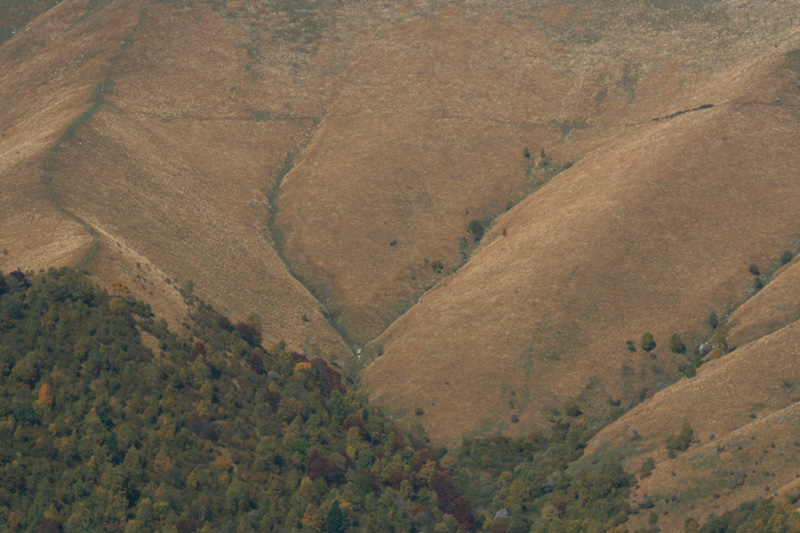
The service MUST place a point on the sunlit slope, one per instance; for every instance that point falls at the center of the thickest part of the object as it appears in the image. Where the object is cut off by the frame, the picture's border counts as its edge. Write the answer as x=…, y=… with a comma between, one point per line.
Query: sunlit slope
x=744, y=413
x=650, y=233
x=50, y=68
x=311, y=162
x=178, y=170
x=435, y=105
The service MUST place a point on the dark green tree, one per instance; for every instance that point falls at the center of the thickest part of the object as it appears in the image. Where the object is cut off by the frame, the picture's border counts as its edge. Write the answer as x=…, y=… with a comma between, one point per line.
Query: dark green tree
x=676, y=344
x=712, y=320
x=476, y=228
x=336, y=521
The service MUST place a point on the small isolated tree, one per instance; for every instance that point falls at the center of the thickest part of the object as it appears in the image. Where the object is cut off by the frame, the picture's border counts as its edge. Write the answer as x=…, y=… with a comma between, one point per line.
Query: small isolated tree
x=676, y=344
x=647, y=468
x=712, y=320
x=648, y=342
x=786, y=257
x=476, y=228
x=754, y=270
x=526, y=153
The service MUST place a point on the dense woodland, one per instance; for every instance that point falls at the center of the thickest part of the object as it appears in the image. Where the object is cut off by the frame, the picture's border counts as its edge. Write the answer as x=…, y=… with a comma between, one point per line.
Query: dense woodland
x=109, y=421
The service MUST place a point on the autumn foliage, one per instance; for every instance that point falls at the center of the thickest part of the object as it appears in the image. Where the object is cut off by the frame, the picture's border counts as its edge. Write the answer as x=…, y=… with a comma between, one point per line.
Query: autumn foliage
x=45, y=395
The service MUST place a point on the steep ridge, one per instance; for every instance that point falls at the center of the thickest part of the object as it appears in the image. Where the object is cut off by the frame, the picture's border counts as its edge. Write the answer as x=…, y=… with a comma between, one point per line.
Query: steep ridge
x=650, y=233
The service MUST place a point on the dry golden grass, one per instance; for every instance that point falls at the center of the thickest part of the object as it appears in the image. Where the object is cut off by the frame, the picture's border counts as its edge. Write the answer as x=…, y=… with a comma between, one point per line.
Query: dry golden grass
x=241, y=144
x=649, y=233
x=246, y=145
x=744, y=412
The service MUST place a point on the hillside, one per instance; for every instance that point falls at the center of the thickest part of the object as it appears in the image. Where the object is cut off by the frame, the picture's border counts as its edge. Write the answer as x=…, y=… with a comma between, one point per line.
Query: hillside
x=742, y=409
x=475, y=210
x=651, y=233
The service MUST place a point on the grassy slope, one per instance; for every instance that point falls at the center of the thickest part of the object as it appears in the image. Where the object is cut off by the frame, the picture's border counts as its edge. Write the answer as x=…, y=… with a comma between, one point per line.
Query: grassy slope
x=394, y=140
x=649, y=233
x=46, y=85
x=172, y=148
x=743, y=409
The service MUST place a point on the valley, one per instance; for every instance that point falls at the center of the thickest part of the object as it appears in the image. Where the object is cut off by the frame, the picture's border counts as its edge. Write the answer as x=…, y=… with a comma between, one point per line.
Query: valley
x=468, y=208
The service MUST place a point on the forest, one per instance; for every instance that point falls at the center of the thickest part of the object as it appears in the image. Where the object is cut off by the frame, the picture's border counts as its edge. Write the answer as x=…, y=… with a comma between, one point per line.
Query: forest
x=111, y=421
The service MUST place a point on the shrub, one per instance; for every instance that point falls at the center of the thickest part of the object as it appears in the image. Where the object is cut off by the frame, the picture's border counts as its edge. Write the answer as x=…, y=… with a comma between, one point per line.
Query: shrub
x=572, y=408
x=690, y=371
x=720, y=337
x=786, y=257
x=648, y=342
x=758, y=284
x=476, y=228
x=712, y=320
x=754, y=269
x=249, y=333
x=681, y=441
x=647, y=467
x=676, y=344
x=629, y=344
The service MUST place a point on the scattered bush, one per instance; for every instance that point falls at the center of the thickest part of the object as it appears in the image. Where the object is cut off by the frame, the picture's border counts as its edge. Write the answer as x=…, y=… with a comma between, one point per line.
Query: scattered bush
x=476, y=228
x=648, y=342
x=719, y=340
x=572, y=408
x=676, y=344
x=680, y=442
x=629, y=344
x=647, y=468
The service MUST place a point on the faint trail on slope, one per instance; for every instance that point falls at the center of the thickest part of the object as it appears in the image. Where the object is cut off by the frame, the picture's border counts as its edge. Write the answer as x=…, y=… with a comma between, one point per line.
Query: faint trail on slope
x=97, y=100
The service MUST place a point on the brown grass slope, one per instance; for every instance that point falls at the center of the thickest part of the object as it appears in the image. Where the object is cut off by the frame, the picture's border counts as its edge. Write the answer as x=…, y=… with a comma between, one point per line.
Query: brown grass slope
x=648, y=233
x=163, y=163
x=436, y=103
x=240, y=144
x=45, y=85
x=743, y=409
